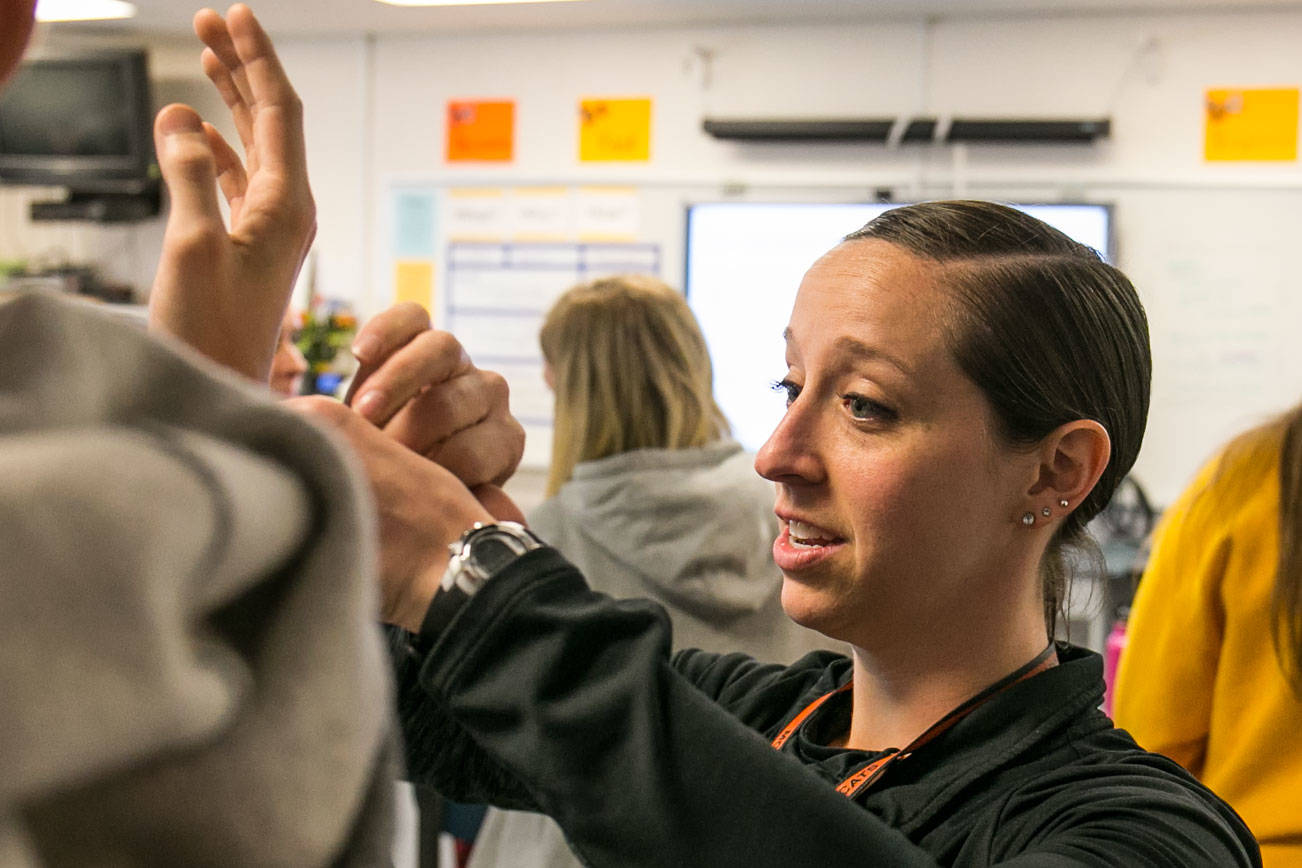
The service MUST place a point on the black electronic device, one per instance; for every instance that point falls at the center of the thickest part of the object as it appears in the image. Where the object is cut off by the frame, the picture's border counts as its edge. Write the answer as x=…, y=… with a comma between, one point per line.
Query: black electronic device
x=908, y=131
x=82, y=122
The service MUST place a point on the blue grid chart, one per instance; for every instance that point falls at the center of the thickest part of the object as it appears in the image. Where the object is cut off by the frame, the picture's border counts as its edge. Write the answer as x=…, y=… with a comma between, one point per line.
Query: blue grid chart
x=497, y=295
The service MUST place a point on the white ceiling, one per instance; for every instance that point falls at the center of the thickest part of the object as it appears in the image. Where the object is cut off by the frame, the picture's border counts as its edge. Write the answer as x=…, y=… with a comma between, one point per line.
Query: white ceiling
x=323, y=17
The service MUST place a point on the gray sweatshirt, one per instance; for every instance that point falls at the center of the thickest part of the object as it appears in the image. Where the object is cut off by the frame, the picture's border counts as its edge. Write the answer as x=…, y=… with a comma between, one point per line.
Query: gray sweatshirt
x=189, y=664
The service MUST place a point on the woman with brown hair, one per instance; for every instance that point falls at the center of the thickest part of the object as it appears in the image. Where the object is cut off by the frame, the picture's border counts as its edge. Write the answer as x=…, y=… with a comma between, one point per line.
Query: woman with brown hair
x=965, y=387
x=1212, y=671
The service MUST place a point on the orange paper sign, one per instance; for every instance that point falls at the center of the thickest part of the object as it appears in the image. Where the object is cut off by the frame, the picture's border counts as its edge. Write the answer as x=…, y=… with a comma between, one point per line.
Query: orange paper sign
x=481, y=130
x=614, y=129
x=1251, y=124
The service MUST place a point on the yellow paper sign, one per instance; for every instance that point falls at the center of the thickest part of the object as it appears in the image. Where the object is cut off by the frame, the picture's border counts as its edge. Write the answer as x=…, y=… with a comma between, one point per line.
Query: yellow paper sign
x=614, y=129
x=480, y=130
x=414, y=281
x=1251, y=124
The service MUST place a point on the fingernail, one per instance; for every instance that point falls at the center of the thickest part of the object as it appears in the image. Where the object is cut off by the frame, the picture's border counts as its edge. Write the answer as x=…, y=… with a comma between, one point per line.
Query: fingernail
x=370, y=404
x=366, y=347
x=179, y=121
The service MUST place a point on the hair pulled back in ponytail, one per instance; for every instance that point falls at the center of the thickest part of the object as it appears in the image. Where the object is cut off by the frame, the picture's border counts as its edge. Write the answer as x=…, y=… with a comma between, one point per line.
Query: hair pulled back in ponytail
x=1048, y=331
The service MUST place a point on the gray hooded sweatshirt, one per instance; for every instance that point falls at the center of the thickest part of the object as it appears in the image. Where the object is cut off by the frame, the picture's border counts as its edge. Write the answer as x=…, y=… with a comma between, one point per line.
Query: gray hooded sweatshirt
x=190, y=671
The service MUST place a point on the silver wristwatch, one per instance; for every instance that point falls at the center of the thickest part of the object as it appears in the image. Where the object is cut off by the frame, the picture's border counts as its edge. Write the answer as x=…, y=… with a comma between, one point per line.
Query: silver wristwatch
x=483, y=552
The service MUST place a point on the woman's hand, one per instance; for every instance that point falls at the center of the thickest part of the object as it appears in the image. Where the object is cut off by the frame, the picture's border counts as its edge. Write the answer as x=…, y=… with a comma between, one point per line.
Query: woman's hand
x=421, y=388
x=222, y=290
x=422, y=509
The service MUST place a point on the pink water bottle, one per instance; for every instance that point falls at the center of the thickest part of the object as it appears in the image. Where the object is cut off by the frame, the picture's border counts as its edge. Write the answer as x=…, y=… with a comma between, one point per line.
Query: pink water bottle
x=1116, y=643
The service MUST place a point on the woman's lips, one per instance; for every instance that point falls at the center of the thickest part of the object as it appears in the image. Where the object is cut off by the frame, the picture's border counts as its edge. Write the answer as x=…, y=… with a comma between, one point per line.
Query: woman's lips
x=800, y=545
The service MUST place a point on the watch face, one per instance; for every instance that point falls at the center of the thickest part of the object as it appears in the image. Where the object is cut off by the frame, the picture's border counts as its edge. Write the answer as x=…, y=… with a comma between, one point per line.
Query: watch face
x=493, y=554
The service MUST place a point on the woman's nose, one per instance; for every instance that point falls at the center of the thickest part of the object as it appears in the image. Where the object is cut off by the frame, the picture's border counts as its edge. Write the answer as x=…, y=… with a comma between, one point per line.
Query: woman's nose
x=791, y=454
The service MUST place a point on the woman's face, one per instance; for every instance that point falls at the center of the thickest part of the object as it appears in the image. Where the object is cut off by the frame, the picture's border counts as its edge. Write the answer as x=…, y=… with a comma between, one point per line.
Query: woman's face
x=899, y=504
x=288, y=364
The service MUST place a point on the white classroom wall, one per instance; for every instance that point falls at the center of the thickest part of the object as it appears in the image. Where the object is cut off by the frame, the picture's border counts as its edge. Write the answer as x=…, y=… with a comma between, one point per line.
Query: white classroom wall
x=1209, y=246
x=333, y=80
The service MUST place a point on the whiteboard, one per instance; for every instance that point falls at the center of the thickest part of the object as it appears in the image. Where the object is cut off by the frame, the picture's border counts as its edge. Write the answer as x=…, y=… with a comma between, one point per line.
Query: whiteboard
x=745, y=261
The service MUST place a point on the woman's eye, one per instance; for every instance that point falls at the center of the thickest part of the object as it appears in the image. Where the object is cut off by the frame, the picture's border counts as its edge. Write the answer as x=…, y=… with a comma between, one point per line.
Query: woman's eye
x=791, y=389
x=866, y=408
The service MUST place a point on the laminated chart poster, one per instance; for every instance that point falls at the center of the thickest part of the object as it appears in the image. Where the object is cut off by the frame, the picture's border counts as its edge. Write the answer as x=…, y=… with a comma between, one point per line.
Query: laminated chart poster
x=506, y=255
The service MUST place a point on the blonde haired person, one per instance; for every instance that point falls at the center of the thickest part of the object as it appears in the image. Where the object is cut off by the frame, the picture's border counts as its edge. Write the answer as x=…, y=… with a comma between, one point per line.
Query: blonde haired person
x=649, y=496
x=630, y=371
x=1212, y=673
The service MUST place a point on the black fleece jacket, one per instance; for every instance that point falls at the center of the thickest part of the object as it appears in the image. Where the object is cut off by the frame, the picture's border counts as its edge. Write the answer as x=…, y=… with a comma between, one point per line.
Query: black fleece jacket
x=544, y=695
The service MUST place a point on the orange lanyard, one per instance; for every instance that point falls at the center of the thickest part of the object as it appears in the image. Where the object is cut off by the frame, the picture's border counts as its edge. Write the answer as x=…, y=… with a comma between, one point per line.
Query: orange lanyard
x=874, y=769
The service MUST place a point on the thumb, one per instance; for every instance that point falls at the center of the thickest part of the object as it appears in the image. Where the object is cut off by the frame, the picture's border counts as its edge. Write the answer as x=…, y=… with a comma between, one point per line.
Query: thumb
x=190, y=170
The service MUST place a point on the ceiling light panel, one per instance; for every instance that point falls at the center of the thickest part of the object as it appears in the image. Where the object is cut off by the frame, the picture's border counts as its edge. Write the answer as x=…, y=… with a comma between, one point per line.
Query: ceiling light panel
x=467, y=2
x=83, y=10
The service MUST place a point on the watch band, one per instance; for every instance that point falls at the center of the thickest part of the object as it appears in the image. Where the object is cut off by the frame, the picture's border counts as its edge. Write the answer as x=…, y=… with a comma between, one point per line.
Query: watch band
x=481, y=553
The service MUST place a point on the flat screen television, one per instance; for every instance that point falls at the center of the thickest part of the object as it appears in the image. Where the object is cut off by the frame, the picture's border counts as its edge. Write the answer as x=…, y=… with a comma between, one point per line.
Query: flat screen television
x=744, y=263
x=80, y=121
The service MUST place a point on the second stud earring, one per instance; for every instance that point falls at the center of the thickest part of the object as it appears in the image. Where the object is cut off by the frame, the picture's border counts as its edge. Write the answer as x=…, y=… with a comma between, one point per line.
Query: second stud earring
x=1028, y=519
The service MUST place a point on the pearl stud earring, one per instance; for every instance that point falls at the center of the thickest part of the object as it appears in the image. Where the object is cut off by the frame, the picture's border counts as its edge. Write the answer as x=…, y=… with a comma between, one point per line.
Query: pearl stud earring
x=1064, y=504
x=1028, y=519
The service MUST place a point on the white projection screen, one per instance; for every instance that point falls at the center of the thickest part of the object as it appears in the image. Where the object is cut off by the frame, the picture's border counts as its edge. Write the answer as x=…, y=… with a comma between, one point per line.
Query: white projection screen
x=744, y=263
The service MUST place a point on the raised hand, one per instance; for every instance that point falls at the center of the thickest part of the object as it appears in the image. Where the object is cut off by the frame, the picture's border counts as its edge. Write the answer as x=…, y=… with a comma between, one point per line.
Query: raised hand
x=223, y=290
x=419, y=385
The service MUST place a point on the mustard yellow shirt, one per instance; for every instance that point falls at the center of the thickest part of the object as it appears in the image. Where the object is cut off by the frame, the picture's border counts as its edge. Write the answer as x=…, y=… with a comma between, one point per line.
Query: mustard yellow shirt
x=1199, y=680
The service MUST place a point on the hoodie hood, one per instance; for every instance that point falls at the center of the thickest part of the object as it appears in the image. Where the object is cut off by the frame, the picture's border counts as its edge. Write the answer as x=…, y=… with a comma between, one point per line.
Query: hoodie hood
x=691, y=527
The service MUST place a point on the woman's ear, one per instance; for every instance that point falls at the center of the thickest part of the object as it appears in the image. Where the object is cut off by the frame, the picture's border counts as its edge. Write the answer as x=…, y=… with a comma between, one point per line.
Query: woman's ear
x=1072, y=458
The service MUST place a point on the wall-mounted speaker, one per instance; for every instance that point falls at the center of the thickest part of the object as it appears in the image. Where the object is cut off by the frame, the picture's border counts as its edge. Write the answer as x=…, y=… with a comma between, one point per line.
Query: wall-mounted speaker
x=915, y=130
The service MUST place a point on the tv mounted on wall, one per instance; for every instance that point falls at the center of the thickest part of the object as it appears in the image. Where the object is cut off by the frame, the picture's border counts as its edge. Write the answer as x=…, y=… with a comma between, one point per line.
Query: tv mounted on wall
x=82, y=122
